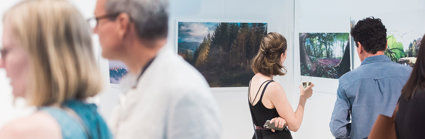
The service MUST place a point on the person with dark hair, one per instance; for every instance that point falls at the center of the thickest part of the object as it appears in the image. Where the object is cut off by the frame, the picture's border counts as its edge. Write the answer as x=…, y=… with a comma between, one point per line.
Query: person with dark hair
x=267, y=99
x=409, y=120
x=371, y=89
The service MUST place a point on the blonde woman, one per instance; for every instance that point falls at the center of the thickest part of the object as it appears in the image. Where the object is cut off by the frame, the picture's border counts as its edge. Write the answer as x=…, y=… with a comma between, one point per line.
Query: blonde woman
x=47, y=54
x=267, y=98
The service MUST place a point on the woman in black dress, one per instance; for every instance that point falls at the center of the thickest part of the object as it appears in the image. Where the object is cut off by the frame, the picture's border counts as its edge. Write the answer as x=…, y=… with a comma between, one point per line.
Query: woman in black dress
x=410, y=118
x=267, y=99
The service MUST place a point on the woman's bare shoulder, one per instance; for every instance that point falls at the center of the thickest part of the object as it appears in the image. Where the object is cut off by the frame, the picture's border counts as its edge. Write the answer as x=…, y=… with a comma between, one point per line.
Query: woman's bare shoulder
x=275, y=87
x=37, y=125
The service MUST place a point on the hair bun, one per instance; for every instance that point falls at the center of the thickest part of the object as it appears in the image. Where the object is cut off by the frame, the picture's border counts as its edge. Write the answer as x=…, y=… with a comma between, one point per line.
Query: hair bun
x=265, y=52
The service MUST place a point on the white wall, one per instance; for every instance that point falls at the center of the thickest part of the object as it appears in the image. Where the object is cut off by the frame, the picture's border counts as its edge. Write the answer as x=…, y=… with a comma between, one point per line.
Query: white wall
x=334, y=16
x=287, y=17
x=277, y=13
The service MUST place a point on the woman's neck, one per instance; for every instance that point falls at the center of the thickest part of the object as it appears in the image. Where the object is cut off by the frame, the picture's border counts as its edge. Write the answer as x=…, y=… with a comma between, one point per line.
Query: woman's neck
x=264, y=76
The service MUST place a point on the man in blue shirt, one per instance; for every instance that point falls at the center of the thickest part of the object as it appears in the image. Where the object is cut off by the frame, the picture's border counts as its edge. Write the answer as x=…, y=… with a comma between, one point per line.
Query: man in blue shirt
x=371, y=89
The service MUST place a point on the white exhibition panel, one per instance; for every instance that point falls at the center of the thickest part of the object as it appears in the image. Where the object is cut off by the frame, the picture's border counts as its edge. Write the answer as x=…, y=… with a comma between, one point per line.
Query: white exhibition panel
x=288, y=17
x=334, y=16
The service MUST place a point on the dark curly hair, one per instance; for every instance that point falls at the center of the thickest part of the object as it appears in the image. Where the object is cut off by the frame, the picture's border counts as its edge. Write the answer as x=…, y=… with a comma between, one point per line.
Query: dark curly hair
x=371, y=33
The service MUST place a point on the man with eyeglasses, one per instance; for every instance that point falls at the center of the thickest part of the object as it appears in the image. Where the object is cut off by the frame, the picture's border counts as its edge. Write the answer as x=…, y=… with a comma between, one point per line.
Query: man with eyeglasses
x=167, y=98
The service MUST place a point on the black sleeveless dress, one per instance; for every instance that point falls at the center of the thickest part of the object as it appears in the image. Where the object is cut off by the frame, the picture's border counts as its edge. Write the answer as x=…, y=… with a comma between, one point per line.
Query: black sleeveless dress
x=410, y=119
x=260, y=114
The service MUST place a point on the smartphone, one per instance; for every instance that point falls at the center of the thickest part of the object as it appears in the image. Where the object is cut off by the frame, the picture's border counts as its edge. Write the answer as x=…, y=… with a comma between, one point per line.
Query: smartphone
x=269, y=125
x=306, y=84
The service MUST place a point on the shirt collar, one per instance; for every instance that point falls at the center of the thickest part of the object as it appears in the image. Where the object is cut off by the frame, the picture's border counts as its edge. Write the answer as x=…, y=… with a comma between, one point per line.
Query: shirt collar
x=375, y=59
x=143, y=71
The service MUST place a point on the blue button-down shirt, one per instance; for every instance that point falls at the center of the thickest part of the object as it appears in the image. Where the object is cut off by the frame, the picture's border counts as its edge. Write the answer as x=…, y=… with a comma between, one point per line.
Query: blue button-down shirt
x=364, y=93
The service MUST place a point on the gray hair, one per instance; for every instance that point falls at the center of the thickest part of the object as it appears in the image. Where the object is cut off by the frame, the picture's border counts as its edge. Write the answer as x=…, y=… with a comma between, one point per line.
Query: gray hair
x=150, y=17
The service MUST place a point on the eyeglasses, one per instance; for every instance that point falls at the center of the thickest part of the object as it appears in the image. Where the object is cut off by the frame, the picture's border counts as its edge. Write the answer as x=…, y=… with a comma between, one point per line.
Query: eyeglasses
x=94, y=21
x=4, y=52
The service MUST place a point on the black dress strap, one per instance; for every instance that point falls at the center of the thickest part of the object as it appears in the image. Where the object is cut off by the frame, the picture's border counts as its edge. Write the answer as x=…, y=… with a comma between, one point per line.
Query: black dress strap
x=251, y=106
x=249, y=91
x=264, y=90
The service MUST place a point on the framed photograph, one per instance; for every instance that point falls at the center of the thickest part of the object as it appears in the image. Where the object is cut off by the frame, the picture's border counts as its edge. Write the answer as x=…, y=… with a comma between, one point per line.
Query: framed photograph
x=221, y=51
x=324, y=55
x=403, y=48
x=117, y=70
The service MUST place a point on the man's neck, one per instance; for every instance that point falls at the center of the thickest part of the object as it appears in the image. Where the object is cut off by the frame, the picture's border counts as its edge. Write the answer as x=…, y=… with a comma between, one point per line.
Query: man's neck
x=366, y=55
x=138, y=55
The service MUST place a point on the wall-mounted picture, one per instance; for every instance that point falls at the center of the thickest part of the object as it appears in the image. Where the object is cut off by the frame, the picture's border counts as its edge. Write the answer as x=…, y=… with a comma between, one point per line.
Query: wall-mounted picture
x=325, y=55
x=403, y=48
x=221, y=51
x=117, y=70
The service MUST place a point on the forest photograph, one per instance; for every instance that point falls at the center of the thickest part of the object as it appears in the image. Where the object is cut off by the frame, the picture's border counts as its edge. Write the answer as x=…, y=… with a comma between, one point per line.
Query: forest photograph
x=117, y=70
x=325, y=55
x=221, y=51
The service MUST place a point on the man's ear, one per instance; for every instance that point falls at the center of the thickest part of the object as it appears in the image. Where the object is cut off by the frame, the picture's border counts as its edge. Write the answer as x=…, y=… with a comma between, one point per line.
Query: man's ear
x=386, y=45
x=123, y=24
x=360, y=47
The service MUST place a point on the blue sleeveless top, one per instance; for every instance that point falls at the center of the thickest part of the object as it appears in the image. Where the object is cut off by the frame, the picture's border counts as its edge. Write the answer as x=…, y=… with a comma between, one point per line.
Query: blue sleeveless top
x=90, y=124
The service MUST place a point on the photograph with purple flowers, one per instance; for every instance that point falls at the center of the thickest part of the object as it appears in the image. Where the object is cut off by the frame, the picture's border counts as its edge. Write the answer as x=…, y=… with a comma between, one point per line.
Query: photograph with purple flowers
x=325, y=55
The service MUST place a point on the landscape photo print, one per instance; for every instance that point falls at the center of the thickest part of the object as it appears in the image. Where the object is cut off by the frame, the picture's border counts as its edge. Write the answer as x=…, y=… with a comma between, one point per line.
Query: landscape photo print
x=403, y=48
x=221, y=51
x=325, y=55
x=117, y=70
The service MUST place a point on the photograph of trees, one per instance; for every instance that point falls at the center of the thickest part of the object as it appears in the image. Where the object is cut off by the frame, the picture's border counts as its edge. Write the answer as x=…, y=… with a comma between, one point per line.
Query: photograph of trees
x=325, y=55
x=117, y=70
x=403, y=50
x=221, y=51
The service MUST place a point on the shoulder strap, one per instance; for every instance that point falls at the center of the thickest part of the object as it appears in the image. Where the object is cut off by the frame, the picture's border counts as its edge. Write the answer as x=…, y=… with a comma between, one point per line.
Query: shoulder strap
x=249, y=91
x=264, y=89
x=249, y=101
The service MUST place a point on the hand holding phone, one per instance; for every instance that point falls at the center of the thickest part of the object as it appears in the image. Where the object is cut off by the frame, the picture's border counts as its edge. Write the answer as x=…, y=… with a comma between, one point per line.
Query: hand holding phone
x=270, y=125
x=306, y=84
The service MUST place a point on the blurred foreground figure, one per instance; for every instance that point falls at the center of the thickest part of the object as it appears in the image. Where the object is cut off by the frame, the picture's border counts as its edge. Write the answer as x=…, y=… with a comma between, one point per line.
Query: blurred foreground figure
x=168, y=98
x=47, y=54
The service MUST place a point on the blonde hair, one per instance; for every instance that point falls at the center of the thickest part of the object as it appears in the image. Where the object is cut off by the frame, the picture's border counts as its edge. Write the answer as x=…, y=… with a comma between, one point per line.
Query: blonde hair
x=267, y=60
x=58, y=41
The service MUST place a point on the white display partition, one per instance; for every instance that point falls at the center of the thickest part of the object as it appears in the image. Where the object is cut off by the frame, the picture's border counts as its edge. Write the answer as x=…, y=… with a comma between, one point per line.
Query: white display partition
x=335, y=16
x=288, y=17
x=230, y=89
x=318, y=16
x=233, y=103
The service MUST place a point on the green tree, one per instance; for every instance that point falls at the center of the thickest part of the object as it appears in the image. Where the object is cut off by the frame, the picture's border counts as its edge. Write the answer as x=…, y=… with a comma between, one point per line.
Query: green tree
x=395, y=49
